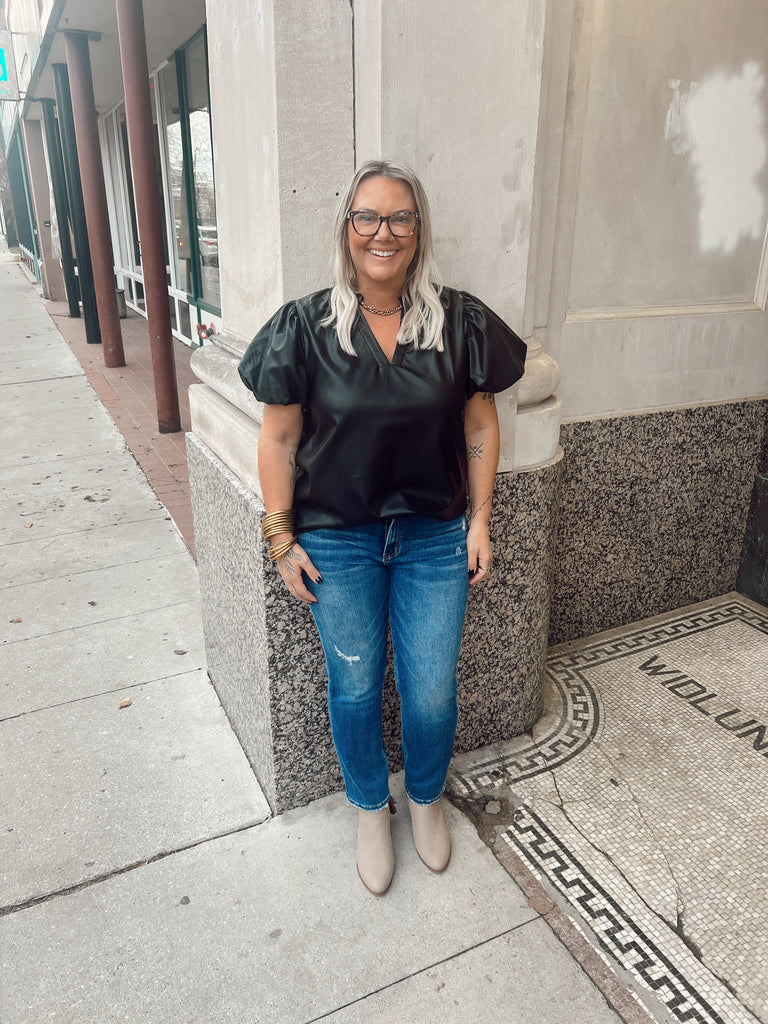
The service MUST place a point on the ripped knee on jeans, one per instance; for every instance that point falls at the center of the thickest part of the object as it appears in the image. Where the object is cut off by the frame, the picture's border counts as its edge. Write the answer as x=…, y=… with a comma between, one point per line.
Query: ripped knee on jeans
x=349, y=658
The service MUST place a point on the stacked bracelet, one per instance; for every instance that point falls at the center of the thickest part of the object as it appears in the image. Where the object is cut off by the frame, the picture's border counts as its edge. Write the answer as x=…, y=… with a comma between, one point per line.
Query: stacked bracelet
x=274, y=553
x=277, y=522
x=274, y=524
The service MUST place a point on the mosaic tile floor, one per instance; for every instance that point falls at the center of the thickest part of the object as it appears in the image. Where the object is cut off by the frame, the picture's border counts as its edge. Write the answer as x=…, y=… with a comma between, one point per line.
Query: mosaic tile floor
x=639, y=803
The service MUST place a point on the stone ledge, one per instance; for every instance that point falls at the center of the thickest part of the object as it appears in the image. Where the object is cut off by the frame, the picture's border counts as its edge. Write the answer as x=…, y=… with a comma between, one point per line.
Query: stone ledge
x=231, y=434
x=217, y=368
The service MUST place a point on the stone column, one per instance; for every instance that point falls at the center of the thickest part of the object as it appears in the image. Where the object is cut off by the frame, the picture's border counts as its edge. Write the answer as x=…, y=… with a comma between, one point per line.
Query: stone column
x=510, y=618
x=487, y=212
x=61, y=207
x=283, y=136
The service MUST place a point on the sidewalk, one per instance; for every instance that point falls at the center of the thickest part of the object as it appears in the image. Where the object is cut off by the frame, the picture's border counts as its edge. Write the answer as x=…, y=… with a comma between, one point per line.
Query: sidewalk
x=141, y=877
x=128, y=394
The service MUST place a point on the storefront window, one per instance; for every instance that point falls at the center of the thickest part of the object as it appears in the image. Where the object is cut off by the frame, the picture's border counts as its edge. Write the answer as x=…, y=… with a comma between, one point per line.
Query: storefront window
x=180, y=107
x=202, y=168
x=195, y=251
x=122, y=127
x=181, y=251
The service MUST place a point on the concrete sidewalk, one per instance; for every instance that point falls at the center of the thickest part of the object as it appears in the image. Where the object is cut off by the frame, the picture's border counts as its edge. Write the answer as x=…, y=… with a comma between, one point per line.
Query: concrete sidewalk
x=142, y=878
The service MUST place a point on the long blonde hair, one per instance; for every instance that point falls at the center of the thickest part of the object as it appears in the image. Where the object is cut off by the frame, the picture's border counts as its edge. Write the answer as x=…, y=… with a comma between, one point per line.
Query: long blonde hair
x=423, y=314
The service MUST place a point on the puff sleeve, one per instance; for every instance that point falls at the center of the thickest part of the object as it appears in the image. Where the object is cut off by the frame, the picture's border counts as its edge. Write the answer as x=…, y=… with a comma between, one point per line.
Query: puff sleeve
x=274, y=365
x=496, y=353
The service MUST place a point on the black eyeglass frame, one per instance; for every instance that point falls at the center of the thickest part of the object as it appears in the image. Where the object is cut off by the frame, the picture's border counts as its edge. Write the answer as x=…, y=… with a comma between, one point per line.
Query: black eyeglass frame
x=382, y=220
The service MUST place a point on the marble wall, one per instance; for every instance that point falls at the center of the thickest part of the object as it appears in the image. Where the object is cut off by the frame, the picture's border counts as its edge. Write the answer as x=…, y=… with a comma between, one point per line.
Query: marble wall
x=653, y=512
x=507, y=623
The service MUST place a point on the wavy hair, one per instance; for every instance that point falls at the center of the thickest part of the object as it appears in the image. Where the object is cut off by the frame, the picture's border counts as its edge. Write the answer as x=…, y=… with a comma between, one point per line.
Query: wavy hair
x=423, y=314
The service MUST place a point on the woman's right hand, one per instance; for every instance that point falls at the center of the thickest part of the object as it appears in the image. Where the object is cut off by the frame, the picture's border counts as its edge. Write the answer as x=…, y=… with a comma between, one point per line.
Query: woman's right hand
x=292, y=565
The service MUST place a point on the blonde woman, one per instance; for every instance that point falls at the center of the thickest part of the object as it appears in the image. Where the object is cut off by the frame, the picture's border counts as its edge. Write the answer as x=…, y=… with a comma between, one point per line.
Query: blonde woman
x=379, y=420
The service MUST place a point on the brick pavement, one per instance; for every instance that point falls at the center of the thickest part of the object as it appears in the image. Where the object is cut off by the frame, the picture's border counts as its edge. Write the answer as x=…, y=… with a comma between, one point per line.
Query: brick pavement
x=129, y=396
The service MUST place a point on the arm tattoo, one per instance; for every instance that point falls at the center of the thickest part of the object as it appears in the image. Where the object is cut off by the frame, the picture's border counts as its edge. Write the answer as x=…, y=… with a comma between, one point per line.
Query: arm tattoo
x=475, y=451
x=489, y=396
x=474, y=510
x=292, y=464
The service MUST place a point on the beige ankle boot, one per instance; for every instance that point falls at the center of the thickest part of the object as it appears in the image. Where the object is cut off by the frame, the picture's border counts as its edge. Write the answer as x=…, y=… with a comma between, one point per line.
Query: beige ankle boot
x=430, y=835
x=375, y=856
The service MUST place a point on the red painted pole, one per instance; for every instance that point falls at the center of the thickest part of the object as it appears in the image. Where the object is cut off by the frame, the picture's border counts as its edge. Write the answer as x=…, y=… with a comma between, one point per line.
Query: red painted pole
x=149, y=208
x=94, y=195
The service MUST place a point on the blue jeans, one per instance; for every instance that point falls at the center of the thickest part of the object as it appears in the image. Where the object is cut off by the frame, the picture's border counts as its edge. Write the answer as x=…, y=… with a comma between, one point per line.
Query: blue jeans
x=412, y=572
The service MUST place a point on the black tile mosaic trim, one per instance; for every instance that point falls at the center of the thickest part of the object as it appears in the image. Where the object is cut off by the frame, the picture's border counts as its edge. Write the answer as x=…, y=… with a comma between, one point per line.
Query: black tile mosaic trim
x=648, y=638
x=577, y=723
x=617, y=934
x=578, y=719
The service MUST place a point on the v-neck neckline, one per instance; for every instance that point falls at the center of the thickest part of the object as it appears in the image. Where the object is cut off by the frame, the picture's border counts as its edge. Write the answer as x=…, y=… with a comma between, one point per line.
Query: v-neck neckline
x=378, y=352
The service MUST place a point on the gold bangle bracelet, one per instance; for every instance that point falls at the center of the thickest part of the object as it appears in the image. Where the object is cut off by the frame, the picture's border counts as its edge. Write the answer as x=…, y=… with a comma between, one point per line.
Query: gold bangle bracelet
x=287, y=528
x=282, y=549
x=276, y=519
x=277, y=522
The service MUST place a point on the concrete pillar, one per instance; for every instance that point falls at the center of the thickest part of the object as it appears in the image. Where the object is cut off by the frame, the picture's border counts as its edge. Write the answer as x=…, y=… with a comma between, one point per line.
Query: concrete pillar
x=53, y=280
x=489, y=213
x=94, y=195
x=283, y=140
x=482, y=191
x=275, y=206
x=149, y=209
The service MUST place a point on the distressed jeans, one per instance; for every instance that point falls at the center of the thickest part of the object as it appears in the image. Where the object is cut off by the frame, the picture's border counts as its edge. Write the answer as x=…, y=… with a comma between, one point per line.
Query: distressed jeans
x=410, y=571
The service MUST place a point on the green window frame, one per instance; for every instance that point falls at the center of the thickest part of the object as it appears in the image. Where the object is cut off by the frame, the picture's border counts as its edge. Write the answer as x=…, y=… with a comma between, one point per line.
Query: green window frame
x=197, y=297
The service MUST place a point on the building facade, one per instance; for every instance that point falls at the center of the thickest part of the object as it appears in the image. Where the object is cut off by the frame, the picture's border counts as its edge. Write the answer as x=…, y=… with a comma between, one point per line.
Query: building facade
x=178, y=82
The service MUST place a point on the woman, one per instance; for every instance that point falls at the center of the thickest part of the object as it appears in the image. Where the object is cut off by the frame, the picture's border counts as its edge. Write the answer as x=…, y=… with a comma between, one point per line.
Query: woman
x=379, y=414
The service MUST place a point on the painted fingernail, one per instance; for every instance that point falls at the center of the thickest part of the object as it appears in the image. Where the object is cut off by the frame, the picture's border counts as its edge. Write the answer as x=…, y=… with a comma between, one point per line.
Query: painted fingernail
x=318, y=578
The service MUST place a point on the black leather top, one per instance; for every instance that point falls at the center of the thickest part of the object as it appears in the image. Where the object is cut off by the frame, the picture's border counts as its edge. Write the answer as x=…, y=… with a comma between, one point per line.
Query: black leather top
x=380, y=439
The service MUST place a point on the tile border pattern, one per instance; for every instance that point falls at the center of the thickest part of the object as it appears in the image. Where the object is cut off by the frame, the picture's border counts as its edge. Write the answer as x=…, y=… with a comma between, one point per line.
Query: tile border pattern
x=623, y=938
x=626, y=935
x=578, y=722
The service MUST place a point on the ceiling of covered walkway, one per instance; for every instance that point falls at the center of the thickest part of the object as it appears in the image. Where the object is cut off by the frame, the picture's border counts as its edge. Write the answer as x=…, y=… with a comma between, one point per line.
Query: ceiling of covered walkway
x=168, y=25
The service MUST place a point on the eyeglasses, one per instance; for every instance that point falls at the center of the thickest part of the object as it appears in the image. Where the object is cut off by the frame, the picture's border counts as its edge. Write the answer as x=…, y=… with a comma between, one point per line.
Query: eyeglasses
x=368, y=223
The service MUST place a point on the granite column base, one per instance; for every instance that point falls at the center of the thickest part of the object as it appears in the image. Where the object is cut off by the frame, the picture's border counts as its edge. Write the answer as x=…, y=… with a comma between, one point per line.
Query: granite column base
x=267, y=665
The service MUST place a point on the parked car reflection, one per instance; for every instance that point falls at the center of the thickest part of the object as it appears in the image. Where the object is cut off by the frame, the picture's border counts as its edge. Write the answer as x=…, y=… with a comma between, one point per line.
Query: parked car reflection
x=209, y=244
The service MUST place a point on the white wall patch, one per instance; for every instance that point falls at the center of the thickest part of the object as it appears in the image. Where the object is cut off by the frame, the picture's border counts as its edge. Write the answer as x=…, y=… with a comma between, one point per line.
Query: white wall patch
x=719, y=124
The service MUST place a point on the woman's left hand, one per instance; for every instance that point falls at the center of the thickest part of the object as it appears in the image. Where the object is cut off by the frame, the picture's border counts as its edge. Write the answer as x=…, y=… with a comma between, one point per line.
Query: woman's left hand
x=478, y=552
